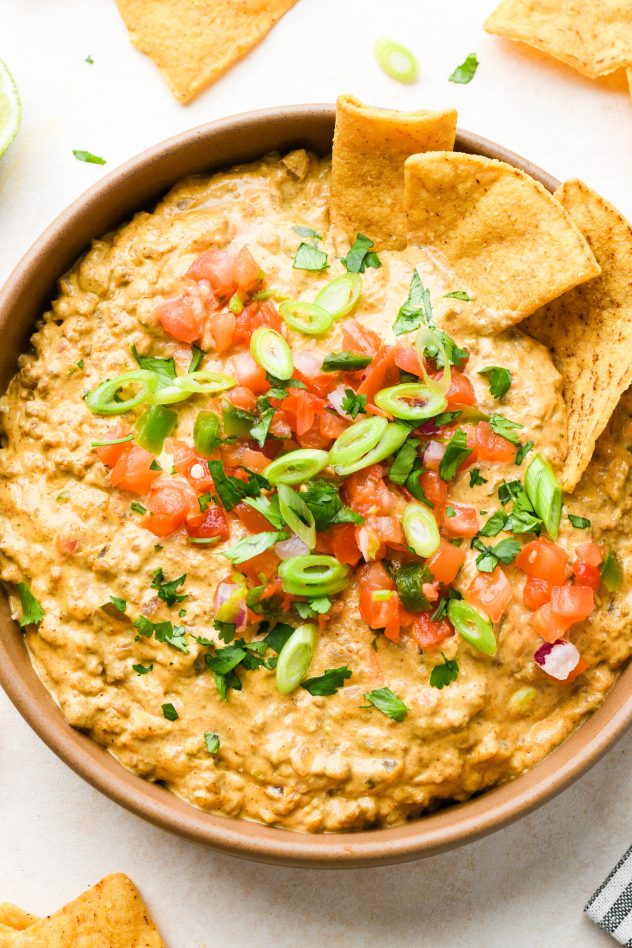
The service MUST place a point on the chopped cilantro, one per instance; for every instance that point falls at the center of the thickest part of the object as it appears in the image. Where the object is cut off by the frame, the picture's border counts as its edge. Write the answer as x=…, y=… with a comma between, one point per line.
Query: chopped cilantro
x=328, y=683
x=580, y=523
x=404, y=461
x=416, y=310
x=204, y=501
x=168, y=591
x=320, y=605
x=142, y=669
x=523, y=521
x=466, y=71
x=212, y=742
x=444, y=674
x=138, y=508
x=476, y=477
x=456, y=452
x=174, y=635
x=259, y=431
x=413, y=485
x=459, y=295
x=352, y=403
x=450, y=512
x=304, y=231
x=120, y=604
x=499, y=380
x=88, y=157
x=154, y=466
x=360, y=255
x=323, y=499
x=165, y=369
x=32, y=612
x=196, y=359
x=278, y=636
x=445, y=418
x=504, y=552
x=505, y=428
x=268, y=507
x=522, y=451
x=388, y=703
x=170, y=712
x=226, y=630
x=253, y=545
x=308, y=257
x=231, y=490
x=494, y=525
x=89, y=60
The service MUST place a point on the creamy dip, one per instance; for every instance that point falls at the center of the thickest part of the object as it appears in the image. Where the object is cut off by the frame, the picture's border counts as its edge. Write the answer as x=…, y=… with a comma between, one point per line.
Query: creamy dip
x=299, y=761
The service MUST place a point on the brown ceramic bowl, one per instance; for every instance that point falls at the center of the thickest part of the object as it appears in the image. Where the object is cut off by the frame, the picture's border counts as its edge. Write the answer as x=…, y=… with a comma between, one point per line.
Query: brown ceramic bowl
x=25, y=295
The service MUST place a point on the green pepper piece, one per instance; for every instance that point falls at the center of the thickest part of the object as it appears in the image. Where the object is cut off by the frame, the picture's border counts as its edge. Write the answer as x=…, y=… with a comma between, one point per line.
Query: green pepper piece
x=154, y=426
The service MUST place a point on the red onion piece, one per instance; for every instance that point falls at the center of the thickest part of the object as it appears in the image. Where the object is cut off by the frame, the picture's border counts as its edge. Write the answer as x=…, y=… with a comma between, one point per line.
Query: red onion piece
x=335, y=400
x=557, y=659
x=233, y=597
x=293, y=546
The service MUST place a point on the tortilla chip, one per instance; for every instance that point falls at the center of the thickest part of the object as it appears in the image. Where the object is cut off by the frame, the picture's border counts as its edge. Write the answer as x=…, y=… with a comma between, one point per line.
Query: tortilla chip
x=509, y=241
x=588, y=331
x=629, y=75
x=11, y=916
x=367, y=175
x=109, y=915
x=592, y=36
x=194, y=42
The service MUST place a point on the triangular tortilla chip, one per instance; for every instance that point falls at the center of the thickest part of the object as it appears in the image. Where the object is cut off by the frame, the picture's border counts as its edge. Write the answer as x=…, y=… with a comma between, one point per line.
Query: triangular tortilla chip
x=11, y=916
x=509, y=241
x=589, y=330
x=592, y=36
x=109, y=915
x=193, y=42
x=367, y=173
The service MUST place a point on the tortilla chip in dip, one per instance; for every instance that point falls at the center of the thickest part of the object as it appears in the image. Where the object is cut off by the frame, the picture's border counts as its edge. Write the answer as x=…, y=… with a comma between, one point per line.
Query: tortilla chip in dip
x=109, y=915
x=588, y=331
x=194, y=43
x=512, y=244
x=592, y=36
x=367, y=177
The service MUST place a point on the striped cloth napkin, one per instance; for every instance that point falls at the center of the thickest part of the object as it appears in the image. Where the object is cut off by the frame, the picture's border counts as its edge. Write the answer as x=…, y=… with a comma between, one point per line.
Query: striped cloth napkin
x=611, y=905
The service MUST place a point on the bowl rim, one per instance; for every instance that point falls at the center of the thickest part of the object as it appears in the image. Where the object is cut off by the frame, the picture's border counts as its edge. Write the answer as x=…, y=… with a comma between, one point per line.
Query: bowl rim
x=447, y=828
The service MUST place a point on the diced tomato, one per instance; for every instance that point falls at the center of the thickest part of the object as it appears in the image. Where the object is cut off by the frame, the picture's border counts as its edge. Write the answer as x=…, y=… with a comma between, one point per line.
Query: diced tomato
x=408, y=360
x=590, y=553
x=242, y=397
x=253, y=316
x=367, y=493
x=252, y=520
x=587, y=575
x=332, y=425
x=261, y=568
x=246, y=271
x=536, y=592
x=240, y=455
x=223, y=331
x=489, y=446
x=343, y=544
x=324, y=540
x=110, y=453
x=572, y=603
x=429, y=632
x=358, y=338
x=313, y=438
x=434, y=488
x=249, y=373
x=548, y=626
x=170, y=502
x=380, y=613
x=308, y=370
x=446, y=562
x=491, y=592
x=376, y=533
x=190, y=464
x=579, y=669
x=464, y=523
x=133, y=472
x=304, y=407
x=217, y=267
x=182, y=318
x=214, y=524
x=461, y=392
x=541, y=559
x=381, y=373
x=280, y=426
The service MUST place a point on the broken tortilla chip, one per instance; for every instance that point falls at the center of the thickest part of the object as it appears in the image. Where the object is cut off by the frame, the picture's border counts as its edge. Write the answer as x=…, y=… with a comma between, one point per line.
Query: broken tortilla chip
x=367, y=174
x=592, y=36
x=11, y=916
x=588, y=331
x=194, y=43
x=109, y=915
x=507, y=239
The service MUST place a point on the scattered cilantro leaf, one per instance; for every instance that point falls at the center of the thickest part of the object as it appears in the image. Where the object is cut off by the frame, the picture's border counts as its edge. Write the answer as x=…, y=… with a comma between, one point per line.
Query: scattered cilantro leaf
x=212, y=741
x=268, y=507
x=388, y=703
x=32, y=612
x=165, y=369
x=352, y=403
x=499, y=380
x=476, y=477
x=580, y=523
x=360, y=256
x=88, y=157
x=304, y=231
x=445, y=418
x=444, y=674
x=231, y=490
x=253, y=545
x=523, y=521
x=504, y=552
x=143, y=669
x=494, y=525
x=170, y=712
x=89, y=60
x=320, y=605
x=505, y=428
x=456, y=452
x=522, y=451
x=308, y=257
x=327, y=683
x=259, y=431
x=466, y=71
x=168, y=591
x=197, y=355
x=459, y=295
x=120, y=604
x=226, y=630
x=416, y=310
x=278, y=636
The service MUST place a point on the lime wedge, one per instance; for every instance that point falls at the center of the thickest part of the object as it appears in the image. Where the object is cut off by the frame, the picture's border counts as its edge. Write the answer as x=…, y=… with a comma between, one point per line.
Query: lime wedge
x=10, y=108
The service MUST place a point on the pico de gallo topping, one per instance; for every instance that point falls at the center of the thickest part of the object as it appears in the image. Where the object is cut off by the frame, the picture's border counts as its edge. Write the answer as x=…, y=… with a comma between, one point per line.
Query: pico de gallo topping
x=313, y=474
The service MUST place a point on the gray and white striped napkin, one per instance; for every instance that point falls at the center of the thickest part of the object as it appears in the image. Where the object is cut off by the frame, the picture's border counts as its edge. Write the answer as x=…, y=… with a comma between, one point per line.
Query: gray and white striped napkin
x=611, y=905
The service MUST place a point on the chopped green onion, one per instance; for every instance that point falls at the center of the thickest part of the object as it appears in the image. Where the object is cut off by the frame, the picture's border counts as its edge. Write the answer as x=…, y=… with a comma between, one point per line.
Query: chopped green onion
x=236, y=304
x=522, y=700
x=271, y=351
x=392, y=439
x=153, y=426
x=395, y=60
x=346, y=361
x=339, y=296
x=420, y=529
x=102, y=399
x=472, y=626
x=206, y=432
x=412, y=401
x=545, y=493
x=355, y=441
x=297, y=515
x=611, y=573
x=308, y=318
x=204, y=382
x=295, y=658
x=106, y=444
x=428, y=338
x=313, y=575
x=296, y=466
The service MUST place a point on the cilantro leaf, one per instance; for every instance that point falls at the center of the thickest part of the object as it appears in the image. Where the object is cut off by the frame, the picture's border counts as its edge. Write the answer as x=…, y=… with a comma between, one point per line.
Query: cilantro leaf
x=308, y=257
x=32, y=612
x=253, y=545
x=504, y=552
x=441, y=611
x=388, y=703
x=120, y=604
x=323, y=499
x=499, y=380
x=476, y=477
x=404, y=461
x=416, y=310
x=523, y=521
x=444, y=674
x=163, y=632
x=359, y=256
x=327, y=683
x=231, y=490
x=466, y=71
x=522, y=451
x=197, y=355
x=168, y=591
x=212, y=741
x=259, y=431
x=352, y=403
x=170, y=712
x=304, y=231
x=278, y=636
x=445, y=418
x=320, y=605
x=494, y=525
x=268, y=507
x=580, y=523
x=226, y=630
x=165, y=369
x=459, y=295
x=505, y=428
x=224, y=660
x=142, y=669
x=88, y=157
x=456, y=452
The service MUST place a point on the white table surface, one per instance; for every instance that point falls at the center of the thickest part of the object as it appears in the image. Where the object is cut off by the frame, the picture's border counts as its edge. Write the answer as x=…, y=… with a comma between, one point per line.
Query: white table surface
x=525, y=885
